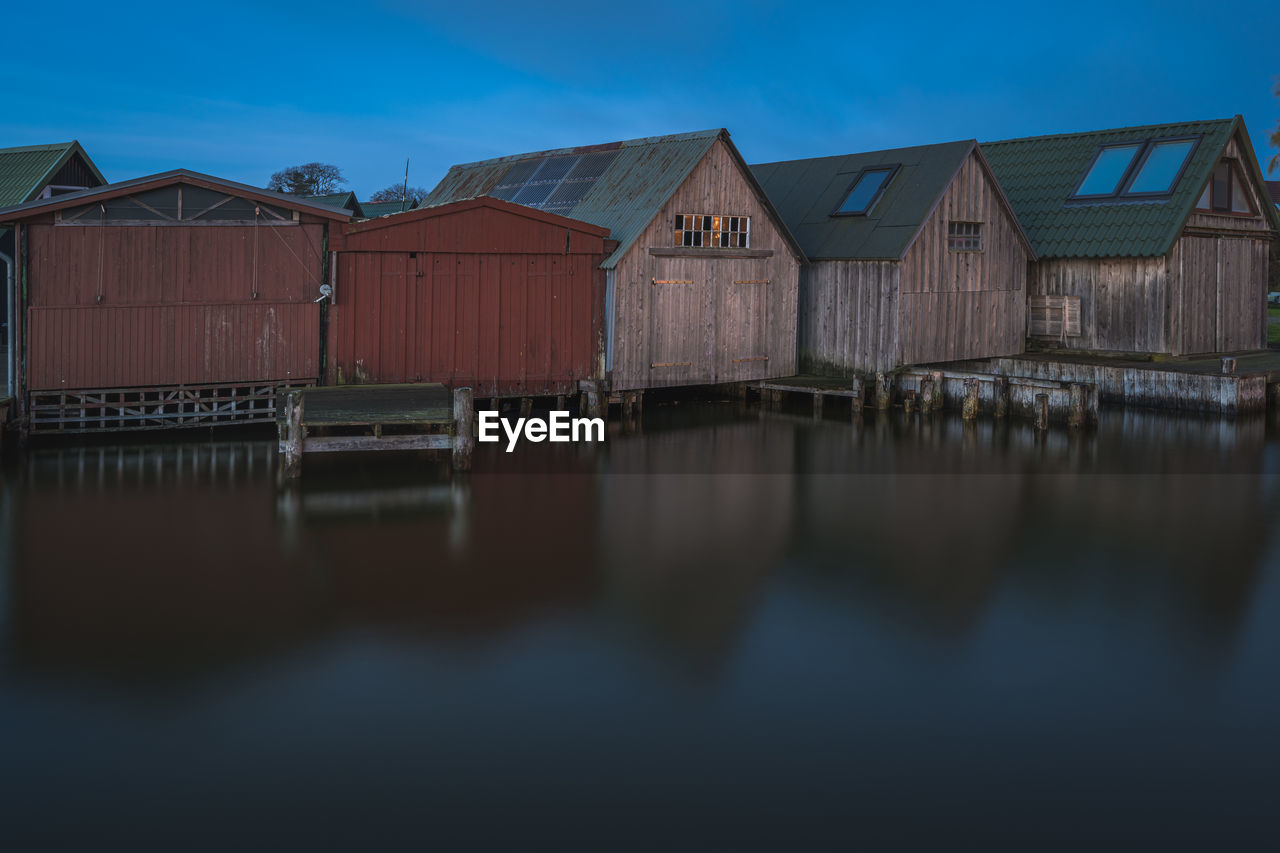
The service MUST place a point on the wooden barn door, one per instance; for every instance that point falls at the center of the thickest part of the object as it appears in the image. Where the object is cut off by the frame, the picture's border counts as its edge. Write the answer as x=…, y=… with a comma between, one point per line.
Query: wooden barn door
x=681, y=321
x=742, y=349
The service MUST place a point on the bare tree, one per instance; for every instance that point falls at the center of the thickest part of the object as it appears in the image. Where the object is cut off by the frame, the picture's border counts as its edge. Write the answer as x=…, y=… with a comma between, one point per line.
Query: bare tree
x=308, y=179
x=397, y=192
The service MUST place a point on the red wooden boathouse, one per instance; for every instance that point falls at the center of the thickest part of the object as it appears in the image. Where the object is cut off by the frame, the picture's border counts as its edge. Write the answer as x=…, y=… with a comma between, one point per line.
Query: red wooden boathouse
x=178, y=299
x=484, y=293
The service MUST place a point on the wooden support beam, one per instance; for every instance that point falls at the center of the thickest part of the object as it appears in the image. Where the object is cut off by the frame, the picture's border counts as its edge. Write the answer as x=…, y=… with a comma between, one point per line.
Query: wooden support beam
x=293, y=433
x=526, y=406
x=969, y=409
x=1076, y=410
x=817, y=405
x=1042, y=411
x=909, y=403
x=1000, y=396
x=463, y=420
x=883, y=393
x=559, y=402
x=859, y=390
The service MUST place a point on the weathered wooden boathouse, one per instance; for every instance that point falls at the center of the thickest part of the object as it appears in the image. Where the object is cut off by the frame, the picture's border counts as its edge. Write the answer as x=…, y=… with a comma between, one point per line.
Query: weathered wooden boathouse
x=914, y=255
x=500, y=297
x=172, y=300
x=702, y=285
x=1149, y=239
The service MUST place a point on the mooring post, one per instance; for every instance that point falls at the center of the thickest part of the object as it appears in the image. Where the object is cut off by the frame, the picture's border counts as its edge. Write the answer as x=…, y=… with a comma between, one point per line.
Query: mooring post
x=1228, y=364
x=628, y=403
x=1000, y=396
x=638, y=405
x=817, y=405
x=909, y=403
x=1075, y=413
x=526, y=406
x=294, y=436
x=969, y=410
x=495, y=403
x=597, y=403
x=883, y=395
x=939, y=395
x=926, y=395
x=1042, y=411
x=859, y=389
x=463, y=418
x=559, y=402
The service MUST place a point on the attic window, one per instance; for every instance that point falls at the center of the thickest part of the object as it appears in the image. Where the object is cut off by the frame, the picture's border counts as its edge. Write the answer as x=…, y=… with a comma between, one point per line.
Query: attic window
x=713, y=231
x=1225, y=192
x=964, y=236
x=865, y=190
x=1144, y=168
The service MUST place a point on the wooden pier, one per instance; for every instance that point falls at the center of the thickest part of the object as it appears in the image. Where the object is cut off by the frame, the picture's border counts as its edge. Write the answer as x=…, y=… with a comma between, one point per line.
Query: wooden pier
x=363, y=418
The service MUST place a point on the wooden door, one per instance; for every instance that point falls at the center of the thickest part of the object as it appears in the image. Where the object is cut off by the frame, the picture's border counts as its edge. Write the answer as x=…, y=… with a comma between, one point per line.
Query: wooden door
x=742, y=321
x=681, y=323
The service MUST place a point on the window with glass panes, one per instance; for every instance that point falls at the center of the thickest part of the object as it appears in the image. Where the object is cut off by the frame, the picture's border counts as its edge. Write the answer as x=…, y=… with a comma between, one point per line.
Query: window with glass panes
x=964, y=236
x=1225, y=192
x=713, y=231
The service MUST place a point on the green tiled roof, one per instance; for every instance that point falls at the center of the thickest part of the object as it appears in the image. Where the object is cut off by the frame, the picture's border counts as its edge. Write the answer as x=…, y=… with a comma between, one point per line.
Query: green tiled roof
x=25, y=171
x=1039, y=173
x=805, y=192
x=625, y=198
x=339, y=201
x=374, y=209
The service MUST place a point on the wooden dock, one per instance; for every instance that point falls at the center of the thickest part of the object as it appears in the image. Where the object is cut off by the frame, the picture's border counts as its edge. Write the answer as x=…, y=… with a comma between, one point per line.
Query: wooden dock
x=364, y=418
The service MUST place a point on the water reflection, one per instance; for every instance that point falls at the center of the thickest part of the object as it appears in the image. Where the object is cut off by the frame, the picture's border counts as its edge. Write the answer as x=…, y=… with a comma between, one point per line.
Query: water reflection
x=791, y=610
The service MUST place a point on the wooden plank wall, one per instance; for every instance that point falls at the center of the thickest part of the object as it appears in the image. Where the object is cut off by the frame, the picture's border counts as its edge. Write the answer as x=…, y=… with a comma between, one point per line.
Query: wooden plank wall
x=138, y=305
x=1125, y=303
x=848, y=316
x=715, y=186
x=503, y=324
x=1222, y=293
x=959, y=305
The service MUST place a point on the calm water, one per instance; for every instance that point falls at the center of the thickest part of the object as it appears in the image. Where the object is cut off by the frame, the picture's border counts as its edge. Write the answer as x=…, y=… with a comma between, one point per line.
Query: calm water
x=728, y=631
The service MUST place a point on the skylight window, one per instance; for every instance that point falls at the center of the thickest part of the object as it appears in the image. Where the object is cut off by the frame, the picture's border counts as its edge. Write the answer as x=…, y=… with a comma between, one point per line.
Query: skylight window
x=865, y=191
x=1108, y=170
x=1144, y=168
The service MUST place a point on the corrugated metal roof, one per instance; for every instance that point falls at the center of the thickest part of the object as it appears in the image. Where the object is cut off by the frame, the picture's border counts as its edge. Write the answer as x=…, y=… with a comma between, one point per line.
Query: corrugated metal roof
x=26, y=170
x=374, y=209
x=1039, y=173
x=625, y=199
x=805, y=192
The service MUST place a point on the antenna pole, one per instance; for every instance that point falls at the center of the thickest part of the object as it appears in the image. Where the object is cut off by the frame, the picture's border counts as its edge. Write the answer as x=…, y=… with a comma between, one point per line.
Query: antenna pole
x=404, y=193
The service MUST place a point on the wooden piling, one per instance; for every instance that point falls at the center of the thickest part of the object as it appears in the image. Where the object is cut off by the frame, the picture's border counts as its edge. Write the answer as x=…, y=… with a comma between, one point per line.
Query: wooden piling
x=883, y=395
x=817, y=404
x=1076, y=409
x=526, y=406
x=969, y=409
x=909, y=403
x=292, y=433
x=1042, y=411
x=559, y=402
x=463, y=419
x=1000, y=396
x=1228, y=364
x=1273, y=396
x=859, y=389
x=939, y=397
x=926, y=395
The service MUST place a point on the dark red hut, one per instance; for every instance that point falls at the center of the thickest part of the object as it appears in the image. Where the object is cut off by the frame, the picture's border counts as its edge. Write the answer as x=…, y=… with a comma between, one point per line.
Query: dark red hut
x=177, y=299
x=484, y=293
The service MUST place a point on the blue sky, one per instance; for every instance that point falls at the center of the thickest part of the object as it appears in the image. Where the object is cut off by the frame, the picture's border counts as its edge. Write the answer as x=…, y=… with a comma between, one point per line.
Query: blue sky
x=240, y=90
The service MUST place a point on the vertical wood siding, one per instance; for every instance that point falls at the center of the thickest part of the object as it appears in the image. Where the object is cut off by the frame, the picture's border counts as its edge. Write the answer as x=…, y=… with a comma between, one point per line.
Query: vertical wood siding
x=724, y=330
x=958, y=305
x=178, y=305
x=1125, y=303
x=1222, y=294
x=504, y=324
x=849, y=316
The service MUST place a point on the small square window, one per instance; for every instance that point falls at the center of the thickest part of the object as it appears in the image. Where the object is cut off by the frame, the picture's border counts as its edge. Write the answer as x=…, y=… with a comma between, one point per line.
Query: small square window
x=716, y=231
x=964, y=236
